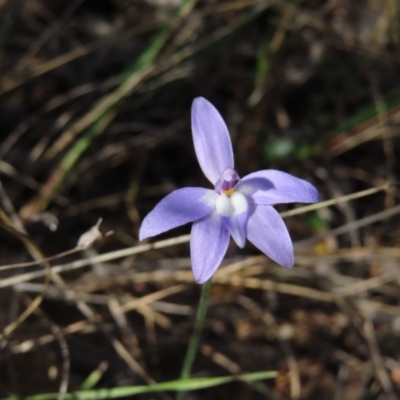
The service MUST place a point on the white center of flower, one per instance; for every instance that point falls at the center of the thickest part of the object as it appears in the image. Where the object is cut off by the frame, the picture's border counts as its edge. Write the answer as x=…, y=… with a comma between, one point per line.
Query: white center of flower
x=228, y=206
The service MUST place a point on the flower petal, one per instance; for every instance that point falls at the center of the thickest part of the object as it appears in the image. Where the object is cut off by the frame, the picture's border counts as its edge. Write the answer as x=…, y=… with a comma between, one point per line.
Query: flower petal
x=209, y=241
x=178, y=208
x=212, y=142
x=267, y=231
x=237, y=227
x=273, y=187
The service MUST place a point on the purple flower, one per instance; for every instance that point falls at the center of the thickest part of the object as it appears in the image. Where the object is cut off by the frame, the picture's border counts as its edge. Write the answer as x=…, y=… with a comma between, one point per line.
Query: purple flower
x=238, y=207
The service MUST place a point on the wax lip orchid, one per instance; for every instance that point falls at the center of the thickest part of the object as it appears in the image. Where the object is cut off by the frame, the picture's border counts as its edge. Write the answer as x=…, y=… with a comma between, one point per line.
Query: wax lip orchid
x=237, y=207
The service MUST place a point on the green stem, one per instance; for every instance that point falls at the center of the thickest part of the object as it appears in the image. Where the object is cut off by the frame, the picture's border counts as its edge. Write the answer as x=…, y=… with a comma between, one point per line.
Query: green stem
x=194, y=340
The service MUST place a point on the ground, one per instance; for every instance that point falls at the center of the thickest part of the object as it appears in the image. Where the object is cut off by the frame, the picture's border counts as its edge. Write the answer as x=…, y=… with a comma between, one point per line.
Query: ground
x=95, y=99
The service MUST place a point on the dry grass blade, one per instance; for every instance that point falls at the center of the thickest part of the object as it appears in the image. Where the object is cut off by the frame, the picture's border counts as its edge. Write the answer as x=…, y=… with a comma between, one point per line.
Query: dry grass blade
x=9, y=84
x=116, y=343
x=98, y=259
x=377, y=359
x=95, y=115
x=103, y=112
x=132, y=305
x=356, y=288
x=35, y=251
x=352, y=225
x=338, y=200
x=297, y=211
x=362, y=133
x=64, y=350
x=99, y=117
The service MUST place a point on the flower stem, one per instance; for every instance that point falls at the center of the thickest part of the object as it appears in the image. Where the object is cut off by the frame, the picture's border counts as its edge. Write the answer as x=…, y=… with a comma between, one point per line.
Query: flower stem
x=195, y=338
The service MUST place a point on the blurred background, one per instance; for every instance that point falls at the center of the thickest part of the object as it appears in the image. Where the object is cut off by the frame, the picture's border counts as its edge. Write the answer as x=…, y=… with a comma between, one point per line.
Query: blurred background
x=95, y=100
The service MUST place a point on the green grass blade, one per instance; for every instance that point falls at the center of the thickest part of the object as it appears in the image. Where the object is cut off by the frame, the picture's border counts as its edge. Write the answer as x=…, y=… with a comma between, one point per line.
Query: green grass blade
x=133, y=75
x=140, y=69
x=96, y=120
x=94, y=377
x=178, y=385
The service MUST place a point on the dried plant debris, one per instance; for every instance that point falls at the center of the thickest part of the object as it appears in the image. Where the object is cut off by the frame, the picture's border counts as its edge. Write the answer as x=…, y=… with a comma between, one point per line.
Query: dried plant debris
x=95, y=99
